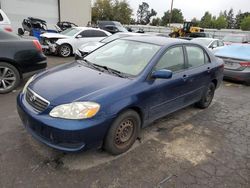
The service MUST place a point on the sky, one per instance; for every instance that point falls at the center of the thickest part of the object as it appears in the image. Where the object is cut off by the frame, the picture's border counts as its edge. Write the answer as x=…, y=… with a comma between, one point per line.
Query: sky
x=194, y=8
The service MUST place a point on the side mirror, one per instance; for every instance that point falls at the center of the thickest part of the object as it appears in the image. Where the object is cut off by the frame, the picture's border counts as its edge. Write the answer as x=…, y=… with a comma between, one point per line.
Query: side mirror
x=20, y=31
x=79, y=36
x=163, y=74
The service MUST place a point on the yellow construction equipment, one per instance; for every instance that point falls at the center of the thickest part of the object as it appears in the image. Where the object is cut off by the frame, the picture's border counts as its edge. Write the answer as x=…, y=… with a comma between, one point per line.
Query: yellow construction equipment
x=185, y=31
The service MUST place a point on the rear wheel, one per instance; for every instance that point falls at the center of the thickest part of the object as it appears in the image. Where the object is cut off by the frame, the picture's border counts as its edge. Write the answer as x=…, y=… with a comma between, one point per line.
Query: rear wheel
x=207, y=97
x=9, y=78
x=65, y=50
x=123, y=133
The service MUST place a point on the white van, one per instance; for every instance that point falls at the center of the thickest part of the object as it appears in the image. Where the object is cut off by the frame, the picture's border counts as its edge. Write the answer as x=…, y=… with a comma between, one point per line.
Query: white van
x=5, y=22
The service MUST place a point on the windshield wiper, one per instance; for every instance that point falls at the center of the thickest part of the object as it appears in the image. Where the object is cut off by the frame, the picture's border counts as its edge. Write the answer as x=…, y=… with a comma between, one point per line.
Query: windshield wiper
x=92, y=65
x=112, y=71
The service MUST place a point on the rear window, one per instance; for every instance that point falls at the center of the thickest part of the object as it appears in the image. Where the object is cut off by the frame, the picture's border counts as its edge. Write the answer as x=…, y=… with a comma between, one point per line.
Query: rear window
x=1, y=17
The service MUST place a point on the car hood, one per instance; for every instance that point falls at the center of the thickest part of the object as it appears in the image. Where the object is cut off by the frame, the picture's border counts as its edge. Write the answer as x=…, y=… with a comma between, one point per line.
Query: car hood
x=240, y=51
x=54, y=35
x=90, y=46
x=74, y=82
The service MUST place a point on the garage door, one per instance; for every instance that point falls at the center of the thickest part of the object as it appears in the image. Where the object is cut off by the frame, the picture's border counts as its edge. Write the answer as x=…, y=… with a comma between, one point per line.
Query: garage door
x=17, y=10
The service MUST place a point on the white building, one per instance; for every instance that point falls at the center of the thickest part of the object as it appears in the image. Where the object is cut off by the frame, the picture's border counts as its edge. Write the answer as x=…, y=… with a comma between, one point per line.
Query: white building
x=52, y=11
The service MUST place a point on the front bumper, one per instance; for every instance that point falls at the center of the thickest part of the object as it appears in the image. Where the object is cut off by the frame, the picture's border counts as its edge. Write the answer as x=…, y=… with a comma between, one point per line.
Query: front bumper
x=61, y=134
x=237, y=75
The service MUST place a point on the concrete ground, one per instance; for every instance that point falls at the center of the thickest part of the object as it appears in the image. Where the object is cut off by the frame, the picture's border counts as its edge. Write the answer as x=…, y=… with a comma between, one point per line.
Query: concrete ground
x=189, y=148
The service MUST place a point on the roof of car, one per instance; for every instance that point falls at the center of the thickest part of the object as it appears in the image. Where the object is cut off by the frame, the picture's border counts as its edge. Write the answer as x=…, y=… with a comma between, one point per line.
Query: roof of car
x=204, y=38
x=158, y=40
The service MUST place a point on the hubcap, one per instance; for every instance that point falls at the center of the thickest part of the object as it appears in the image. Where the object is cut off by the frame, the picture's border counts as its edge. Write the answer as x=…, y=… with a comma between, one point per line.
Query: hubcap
x=124, y=132
x=65, y=51
x=7, y=78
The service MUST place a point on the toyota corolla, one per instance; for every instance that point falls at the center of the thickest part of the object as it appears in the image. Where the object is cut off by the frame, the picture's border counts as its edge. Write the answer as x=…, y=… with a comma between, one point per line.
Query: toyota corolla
x=106, y=98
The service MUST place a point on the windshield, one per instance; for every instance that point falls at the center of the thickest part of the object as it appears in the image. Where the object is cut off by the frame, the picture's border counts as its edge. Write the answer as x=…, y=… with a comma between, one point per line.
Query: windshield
x=204, y=42
x=112, y=37
x=232, y=38
x=70, y=32
x=125, y=56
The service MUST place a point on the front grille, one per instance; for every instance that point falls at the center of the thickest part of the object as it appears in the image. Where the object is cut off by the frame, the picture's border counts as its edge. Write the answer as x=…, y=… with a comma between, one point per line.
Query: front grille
x=38, y=103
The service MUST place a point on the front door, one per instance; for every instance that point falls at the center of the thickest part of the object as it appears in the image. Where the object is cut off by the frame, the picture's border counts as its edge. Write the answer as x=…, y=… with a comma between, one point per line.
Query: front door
x=167, y=95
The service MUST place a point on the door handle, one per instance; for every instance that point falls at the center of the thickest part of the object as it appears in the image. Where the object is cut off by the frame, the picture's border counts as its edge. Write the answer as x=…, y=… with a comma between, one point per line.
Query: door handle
x=208, y=69
x=185, y=77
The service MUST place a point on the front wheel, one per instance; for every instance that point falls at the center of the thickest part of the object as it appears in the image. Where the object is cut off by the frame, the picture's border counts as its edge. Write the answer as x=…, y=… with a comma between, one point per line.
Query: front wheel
x=123, y=132
x=65, y=50
x=207, y=97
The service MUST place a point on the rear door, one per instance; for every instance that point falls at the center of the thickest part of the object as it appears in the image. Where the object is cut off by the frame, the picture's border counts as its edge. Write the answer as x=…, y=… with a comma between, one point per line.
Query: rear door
x=198, y=72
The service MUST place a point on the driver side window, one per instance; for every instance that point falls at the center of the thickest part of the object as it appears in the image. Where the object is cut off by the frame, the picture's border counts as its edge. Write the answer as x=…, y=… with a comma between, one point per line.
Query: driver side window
x=172, y=60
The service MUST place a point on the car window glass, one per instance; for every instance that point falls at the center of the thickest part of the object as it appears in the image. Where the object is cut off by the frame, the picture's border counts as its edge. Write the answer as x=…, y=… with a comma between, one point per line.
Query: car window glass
x=99, y=34
x=87, y=33
x=221, y=43
x=195, y=56
x=1, y=17
x=172, y=60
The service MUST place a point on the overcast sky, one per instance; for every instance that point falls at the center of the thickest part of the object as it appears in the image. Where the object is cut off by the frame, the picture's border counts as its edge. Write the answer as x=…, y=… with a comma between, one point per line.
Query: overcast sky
x=194, y=8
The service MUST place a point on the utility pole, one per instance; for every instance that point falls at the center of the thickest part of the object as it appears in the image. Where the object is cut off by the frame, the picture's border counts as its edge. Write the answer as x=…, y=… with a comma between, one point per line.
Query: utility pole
x=171, y=12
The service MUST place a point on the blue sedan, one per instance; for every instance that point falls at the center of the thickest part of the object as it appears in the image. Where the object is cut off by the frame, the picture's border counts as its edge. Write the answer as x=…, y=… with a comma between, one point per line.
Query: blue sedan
x=106, y=98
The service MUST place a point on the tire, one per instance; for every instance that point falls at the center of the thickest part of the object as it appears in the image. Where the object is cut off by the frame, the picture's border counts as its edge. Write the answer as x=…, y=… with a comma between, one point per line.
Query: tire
x=9, y=78
x=123, y=132
x=207, y=97
x=65, y=50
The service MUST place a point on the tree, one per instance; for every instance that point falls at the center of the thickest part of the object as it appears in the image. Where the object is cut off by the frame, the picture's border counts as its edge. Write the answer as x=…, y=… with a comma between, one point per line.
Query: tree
x=122, y=12
x=112, y=10
x=156, y=21
x=230, y=19
x=102, y=10
x=220, y=22
x=245, y=24
x=144, y=14
x=195, y=22
x=206, y=20
x=177, y=17
x=240, y=16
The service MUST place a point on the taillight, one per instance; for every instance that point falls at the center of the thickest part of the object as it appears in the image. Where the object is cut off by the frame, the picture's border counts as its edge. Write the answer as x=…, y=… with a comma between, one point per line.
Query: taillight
x=9, y=29
x=37, y=45
x=245, y=64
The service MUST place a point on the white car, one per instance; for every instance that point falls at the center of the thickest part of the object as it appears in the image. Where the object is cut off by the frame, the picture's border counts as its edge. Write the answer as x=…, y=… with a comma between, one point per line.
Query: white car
x=68, y=41
x=5, y=23
x=210, y=43
x=91, y=46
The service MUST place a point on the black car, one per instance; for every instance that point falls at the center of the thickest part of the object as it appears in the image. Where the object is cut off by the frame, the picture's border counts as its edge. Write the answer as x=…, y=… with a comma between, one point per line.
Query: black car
x=111, y=26
x=200, y=34
x=19, y=58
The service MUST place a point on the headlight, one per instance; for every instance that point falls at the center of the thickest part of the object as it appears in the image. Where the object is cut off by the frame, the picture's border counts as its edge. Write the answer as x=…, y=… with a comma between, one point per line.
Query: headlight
x=27, y=83
x=75, y=110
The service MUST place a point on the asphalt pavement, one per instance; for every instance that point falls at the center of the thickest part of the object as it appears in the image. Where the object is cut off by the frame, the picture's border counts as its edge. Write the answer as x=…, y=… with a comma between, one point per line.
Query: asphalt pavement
x=189, y=148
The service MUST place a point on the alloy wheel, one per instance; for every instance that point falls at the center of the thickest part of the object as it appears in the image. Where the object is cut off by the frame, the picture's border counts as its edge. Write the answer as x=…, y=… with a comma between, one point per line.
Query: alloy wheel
x=7, y=78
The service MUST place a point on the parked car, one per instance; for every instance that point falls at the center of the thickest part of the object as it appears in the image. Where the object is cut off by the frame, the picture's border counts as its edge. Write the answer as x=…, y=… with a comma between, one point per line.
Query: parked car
x=5, y=22
x=18, y=58
x=87, y=48
x=111, y=26
x=65, y=25
x=237, y=62
x=68, y=41
x=210, y=43
x=35, y=27
x=236, y=38
x=116, y=90
x=200, y=34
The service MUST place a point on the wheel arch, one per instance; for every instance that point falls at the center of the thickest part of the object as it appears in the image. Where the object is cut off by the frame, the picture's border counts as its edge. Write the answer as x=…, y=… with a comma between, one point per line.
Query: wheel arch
x=13, y=63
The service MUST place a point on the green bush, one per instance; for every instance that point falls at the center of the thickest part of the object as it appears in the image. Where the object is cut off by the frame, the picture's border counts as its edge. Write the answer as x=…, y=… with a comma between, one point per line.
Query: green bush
x=245, y=24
